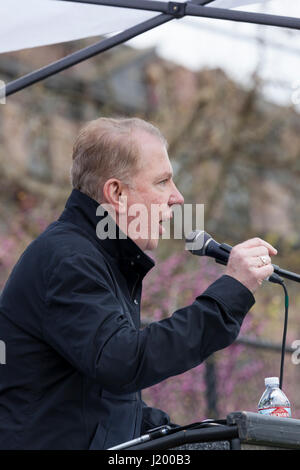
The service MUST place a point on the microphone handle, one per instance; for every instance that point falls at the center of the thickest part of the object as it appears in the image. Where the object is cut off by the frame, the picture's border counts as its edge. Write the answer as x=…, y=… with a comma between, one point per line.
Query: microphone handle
x=275, y=278
x=224, y=258
x=223, y=250
x=287, y=274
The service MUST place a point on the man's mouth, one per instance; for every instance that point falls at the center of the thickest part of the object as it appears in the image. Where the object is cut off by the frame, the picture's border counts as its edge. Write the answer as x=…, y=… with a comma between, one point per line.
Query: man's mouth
x=162, y=220
x=161, y=227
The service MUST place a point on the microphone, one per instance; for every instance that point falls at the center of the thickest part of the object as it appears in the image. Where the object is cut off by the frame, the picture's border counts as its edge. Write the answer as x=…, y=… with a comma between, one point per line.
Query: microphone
x=200, y=243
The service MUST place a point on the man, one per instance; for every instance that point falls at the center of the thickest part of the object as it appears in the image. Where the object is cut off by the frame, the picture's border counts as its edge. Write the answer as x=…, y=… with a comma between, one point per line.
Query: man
x=76, y=360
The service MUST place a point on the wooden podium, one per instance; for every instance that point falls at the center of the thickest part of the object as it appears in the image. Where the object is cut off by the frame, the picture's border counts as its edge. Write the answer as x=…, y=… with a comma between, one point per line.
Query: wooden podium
x=243, y=430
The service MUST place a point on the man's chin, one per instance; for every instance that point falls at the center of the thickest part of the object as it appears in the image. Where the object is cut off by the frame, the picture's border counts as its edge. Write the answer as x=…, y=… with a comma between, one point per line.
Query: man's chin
x=147, y=244
x=152, y=244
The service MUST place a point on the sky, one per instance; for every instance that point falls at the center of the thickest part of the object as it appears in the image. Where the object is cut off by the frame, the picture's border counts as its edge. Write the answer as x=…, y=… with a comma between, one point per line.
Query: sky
x=238, y=48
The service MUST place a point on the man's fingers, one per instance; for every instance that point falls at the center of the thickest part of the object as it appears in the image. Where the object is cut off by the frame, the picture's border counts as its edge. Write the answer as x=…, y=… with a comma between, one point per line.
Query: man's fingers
x=250, y=262
x=259, y=261
x=256, y=251
x=264, y=272
x=257, y=242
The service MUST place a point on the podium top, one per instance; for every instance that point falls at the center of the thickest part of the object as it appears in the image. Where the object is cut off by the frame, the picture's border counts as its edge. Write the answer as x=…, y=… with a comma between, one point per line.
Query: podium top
x=255, y=428
x=241, y=429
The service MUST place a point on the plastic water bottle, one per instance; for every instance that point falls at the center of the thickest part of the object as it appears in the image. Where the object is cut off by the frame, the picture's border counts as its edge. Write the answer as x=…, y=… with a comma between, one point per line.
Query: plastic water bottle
x=273, y=401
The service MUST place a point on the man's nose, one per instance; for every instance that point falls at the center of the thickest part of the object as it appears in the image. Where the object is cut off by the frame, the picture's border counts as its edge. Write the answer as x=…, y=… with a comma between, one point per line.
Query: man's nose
x=176, y=197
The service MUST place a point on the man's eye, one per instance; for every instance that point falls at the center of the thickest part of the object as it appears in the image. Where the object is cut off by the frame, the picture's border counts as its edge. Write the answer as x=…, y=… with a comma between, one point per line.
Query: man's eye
x=163, y=182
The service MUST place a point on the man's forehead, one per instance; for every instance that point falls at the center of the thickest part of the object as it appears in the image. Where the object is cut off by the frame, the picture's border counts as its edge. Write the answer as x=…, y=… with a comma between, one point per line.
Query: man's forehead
x=153, y=152
x=145, y=139
x=166, y=174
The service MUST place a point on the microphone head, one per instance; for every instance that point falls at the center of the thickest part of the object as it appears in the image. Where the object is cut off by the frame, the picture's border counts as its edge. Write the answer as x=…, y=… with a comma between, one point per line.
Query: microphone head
x=196, y=242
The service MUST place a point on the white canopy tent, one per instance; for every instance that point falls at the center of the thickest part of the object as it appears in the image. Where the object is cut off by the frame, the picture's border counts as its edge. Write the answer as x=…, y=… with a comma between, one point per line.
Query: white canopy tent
x=33, y=23
x=43, y=22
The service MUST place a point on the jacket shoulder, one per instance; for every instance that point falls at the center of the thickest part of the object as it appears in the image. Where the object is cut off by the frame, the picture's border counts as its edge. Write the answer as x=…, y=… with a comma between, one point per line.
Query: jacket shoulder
x=64, y=239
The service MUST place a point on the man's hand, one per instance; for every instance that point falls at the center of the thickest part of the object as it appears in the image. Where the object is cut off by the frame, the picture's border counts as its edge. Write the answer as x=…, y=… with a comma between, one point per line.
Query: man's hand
x=250, y=262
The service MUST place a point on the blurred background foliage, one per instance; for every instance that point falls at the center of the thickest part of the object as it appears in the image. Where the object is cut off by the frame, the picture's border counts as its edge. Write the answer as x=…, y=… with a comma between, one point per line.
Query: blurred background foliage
x=231, y=150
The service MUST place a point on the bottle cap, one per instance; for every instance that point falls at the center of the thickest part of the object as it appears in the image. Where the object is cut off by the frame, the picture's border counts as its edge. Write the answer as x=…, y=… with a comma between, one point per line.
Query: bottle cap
x=271, y=381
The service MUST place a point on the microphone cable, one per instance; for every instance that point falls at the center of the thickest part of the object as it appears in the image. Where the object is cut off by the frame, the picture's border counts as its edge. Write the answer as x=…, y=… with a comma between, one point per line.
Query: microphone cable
x=285, y=324
x=221, y=252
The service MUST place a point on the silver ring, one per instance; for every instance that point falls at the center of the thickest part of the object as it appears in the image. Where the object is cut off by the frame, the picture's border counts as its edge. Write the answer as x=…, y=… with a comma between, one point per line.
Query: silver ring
x=264, y=260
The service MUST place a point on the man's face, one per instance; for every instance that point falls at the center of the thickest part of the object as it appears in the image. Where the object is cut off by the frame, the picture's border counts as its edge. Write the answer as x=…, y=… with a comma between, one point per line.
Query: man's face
x=151, y=194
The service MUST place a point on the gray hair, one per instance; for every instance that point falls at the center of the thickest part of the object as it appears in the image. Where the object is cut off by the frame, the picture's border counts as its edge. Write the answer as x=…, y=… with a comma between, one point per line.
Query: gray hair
x=106, y=148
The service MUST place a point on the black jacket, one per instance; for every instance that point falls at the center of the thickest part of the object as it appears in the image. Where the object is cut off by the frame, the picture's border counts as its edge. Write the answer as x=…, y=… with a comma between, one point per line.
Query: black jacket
x=76, y=359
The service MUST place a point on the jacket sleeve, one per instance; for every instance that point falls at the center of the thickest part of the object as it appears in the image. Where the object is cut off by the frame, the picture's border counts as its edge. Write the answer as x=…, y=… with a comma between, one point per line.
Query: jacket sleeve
x=85, y=323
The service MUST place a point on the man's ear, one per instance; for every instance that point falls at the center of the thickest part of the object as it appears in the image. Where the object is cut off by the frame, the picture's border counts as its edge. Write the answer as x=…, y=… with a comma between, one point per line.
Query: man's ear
x=114, y=193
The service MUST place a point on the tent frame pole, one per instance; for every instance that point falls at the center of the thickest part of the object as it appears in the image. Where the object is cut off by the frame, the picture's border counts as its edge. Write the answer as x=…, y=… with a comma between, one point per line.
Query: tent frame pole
x=84, y=54
x=170, y=11
x=242, y=16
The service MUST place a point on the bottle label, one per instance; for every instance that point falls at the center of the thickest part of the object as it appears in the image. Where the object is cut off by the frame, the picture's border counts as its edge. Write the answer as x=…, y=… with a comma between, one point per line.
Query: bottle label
x=282, y=412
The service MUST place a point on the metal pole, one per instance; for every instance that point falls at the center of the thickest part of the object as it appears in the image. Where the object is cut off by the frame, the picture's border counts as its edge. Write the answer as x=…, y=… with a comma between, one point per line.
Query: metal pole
x=193, y=8
x=148, y=5
x=242, y=16
x=86, y=53
x=90, y=51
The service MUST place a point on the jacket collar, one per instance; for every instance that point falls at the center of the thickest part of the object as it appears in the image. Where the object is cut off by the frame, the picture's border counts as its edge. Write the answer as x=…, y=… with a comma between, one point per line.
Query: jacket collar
x=81, y=210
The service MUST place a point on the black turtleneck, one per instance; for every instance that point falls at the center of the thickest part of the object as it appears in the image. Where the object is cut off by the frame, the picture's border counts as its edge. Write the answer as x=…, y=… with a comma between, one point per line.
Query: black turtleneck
x=81, y=210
